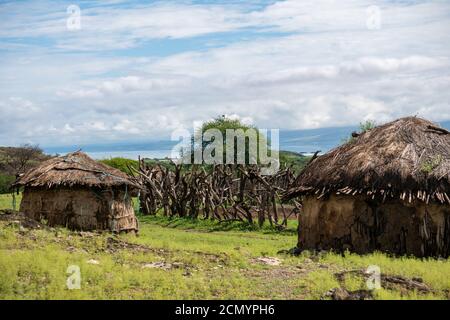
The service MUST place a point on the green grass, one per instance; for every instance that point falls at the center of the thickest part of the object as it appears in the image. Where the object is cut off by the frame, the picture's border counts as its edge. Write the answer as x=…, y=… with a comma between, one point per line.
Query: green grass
x=33, y=264
x=434, y=272
x=215, y=225
x=6, y=201
x=211, y=260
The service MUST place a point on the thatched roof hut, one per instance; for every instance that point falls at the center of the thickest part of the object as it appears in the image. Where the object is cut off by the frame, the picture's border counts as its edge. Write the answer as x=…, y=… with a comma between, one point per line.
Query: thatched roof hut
x=80, y=193
x=386, y=189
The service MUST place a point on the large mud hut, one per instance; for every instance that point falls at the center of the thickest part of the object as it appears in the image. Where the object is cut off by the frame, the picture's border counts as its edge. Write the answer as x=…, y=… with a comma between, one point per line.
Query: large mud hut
x=387, y=189
x=80, y=193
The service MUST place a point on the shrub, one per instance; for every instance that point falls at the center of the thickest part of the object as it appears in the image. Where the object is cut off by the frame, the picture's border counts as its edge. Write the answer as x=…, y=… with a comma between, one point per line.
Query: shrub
x=431, y=164
x=122, y=164
x=5, y=183
x=363, y=127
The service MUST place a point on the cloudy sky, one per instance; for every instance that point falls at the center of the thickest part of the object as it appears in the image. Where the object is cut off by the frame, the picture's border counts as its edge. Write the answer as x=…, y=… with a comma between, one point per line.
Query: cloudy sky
x=137, y=71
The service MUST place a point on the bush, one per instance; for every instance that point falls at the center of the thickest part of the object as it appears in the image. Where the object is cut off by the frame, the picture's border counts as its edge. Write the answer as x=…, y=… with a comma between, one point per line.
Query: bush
x=122, y=164
x=363, y=127
x=5, y=183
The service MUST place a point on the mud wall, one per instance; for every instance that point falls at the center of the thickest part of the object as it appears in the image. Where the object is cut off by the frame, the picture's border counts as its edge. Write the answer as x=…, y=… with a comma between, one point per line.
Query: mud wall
x=360, y=225
x=80, y=209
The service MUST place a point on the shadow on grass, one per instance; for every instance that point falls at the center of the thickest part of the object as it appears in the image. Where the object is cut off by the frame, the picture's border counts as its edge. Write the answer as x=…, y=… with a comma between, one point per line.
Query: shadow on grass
x=208, y=225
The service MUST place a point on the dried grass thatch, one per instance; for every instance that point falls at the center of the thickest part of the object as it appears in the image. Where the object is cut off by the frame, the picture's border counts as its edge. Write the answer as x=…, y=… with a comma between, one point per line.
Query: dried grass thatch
x=408, y=159
x=74, y=169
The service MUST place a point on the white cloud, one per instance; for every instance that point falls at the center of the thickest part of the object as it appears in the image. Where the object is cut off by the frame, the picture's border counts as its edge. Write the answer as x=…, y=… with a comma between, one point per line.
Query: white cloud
x=117, y=27
x=330, y=70
x=368, y=65
x=126, y=126
x=244, y=120
x=124, y=85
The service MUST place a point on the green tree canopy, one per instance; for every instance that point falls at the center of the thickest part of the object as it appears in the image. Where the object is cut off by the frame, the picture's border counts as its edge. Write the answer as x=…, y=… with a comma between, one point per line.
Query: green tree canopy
x=222, y=124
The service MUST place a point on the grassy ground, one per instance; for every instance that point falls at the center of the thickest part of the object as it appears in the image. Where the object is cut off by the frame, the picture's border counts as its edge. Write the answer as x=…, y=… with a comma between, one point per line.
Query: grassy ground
x=6, y=201
x=186, y=259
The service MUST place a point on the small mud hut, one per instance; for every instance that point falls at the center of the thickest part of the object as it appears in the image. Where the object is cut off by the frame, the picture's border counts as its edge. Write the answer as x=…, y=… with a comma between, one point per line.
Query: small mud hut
x=387, y=189
x=79, y=193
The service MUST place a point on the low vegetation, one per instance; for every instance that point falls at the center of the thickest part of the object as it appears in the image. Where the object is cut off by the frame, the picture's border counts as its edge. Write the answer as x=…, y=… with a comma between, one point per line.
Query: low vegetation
x=122, y=164
x=6, y=201
x=430, y=164
x=5, y=182
x=181, y=258
x=295, y=160
x=363, y=127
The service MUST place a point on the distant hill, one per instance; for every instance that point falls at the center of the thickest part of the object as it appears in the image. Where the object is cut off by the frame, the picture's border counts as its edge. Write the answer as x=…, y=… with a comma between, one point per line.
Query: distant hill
x=323, y=139
x=305, y=141
x=293, y=159
x=298, y=141
x=312, y=140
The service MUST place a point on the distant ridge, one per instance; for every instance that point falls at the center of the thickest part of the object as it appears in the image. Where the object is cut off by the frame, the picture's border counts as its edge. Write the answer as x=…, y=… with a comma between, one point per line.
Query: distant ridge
x=304, y=141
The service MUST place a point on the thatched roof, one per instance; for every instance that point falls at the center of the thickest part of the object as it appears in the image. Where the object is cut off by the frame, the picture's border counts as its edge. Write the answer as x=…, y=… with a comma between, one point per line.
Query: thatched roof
x=407, y=158
x=73, y=169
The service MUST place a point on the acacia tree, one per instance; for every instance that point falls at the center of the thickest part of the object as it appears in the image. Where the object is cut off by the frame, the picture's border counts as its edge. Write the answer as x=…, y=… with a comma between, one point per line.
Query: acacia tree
x=18, y=160
x=222, y=124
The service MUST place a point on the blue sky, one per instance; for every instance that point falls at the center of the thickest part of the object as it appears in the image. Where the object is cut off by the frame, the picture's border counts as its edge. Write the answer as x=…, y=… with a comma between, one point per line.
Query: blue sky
x=139, y=70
